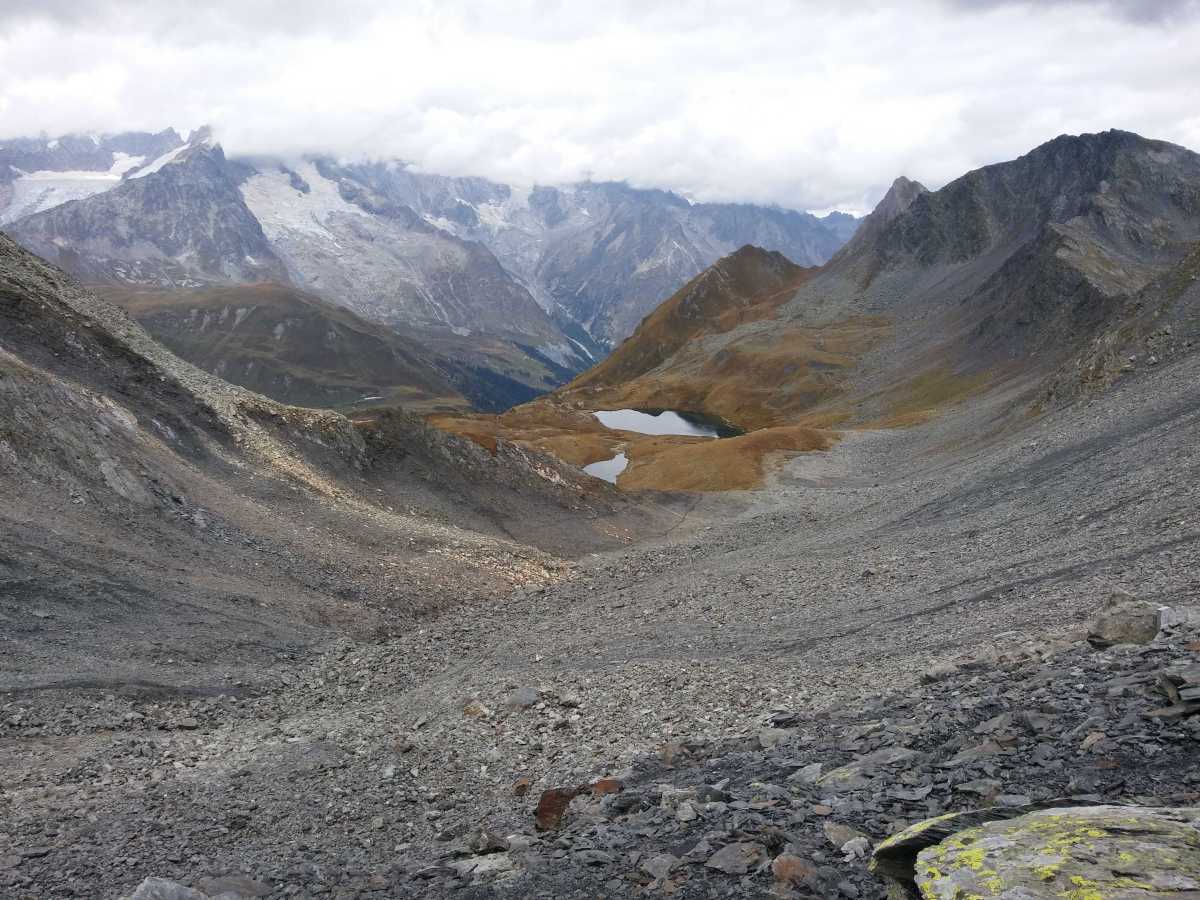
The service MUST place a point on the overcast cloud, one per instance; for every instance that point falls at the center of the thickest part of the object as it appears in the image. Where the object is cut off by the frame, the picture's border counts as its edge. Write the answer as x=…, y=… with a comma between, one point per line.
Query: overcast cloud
x=809, y=105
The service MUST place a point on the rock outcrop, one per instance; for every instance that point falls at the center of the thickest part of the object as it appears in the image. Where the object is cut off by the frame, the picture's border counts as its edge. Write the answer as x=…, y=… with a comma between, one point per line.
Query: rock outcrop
x=1102, y=851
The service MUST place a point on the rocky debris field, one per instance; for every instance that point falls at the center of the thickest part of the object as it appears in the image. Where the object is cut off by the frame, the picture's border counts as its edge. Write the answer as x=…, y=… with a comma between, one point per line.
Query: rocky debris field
x=692, y=704
x=794, y=808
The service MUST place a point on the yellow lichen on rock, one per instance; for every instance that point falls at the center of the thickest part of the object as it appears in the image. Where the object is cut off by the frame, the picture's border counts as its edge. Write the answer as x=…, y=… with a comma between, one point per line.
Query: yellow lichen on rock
x=1081, y=853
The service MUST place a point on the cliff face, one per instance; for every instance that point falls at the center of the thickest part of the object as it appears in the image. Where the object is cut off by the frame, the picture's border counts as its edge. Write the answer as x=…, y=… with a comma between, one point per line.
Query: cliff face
x=603, y=255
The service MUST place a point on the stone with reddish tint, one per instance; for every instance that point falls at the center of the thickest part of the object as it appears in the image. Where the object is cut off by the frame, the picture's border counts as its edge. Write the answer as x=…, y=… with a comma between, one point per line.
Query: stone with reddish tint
x=476, y=710
x=607, y=786
x=792, y=870
x=551, y=807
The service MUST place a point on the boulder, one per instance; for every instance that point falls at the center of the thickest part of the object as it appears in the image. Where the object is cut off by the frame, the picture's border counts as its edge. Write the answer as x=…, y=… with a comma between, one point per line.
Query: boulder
x=1187, y=616
x=791, y=870
x=523, y=698
x=1088, y=851
x=164, y=889
x=1124, y=619
x=660, y=866
x=853, y=774
x=552, y=805
x=229, y=887
x=896, y=857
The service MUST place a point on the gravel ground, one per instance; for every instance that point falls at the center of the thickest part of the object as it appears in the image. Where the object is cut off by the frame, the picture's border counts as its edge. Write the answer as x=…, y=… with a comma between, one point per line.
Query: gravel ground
x=366, y=767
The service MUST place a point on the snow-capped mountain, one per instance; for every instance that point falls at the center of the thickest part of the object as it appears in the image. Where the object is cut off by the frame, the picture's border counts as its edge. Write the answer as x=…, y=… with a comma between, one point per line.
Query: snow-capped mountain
x=604, y=254
x=340, y=238
x=526, y=287
x=38, y=174
x=175, y=219
x=189, y=217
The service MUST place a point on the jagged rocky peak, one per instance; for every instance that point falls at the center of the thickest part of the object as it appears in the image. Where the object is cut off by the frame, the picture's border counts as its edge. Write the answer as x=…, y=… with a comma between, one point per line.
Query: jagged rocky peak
x=749, y=254
x=896, y=201
x=734, y=282
x=37, y=174
x=600, y=254
x=175, y=220
x=899, y=197
x=746, y=272
x=746, y=286
x=83, y=152
x=1114, y=186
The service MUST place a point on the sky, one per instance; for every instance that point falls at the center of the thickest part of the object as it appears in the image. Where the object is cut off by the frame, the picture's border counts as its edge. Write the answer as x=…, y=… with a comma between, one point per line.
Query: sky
x=802, y=104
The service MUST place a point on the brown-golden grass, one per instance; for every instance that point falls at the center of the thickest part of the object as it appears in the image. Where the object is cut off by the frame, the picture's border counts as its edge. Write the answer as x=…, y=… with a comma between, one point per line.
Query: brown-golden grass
x=761, y=380
x=573, y=436
x=920, y=398
x=764, y=382
x=731, y=464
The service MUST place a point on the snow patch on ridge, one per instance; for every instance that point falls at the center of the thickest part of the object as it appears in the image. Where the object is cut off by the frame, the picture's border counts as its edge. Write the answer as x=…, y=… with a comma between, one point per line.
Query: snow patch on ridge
x=164, y=160
x=124, y=162
x=586, y=352
x=34, y=192
x=281, y=208
x=561, y=353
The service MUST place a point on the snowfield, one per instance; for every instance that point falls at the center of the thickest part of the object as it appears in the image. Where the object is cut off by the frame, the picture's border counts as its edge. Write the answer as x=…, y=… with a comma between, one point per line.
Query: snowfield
x=34, y=192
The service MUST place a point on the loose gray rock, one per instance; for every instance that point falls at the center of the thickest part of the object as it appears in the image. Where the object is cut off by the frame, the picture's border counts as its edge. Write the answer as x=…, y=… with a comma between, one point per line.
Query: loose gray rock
x=522, y=698
x=737, y=859
x=660, y=865
x=1123, y=619
x=161, y=889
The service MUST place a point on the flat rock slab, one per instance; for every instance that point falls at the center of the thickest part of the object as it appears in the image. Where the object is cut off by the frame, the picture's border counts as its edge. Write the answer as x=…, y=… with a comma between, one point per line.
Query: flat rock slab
x=1100, y=852
x=737, y=859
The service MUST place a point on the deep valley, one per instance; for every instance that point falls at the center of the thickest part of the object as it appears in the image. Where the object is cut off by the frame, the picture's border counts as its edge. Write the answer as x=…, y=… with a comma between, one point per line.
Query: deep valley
x=295, y=602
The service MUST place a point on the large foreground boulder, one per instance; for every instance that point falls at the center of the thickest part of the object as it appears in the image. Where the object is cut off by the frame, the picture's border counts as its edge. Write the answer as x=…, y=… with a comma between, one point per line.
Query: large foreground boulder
x=1084, y=852
x=1124, y=619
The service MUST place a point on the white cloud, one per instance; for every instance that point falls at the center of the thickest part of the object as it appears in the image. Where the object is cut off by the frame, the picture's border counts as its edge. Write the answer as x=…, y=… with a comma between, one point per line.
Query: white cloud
x=812, y=105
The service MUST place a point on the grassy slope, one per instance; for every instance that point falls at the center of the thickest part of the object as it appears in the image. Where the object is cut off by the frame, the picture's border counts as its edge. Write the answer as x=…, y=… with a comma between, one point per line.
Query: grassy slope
x=762, y=380
x=291, y=346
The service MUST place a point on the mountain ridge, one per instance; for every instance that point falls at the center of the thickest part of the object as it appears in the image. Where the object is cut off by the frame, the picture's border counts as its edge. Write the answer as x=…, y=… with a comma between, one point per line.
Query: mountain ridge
x=541, y=276
x=291, y=346
x=264, y=650
x=993, y=282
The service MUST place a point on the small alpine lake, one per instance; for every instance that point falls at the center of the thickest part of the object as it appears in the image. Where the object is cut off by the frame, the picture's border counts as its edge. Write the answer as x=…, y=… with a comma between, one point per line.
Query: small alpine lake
x=665, y=421
x=608, y=469
x=654, y=422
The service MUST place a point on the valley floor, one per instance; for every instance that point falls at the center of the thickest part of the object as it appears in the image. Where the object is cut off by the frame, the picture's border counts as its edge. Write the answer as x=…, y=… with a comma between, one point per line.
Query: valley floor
x=367, y=770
